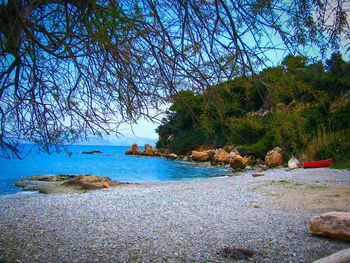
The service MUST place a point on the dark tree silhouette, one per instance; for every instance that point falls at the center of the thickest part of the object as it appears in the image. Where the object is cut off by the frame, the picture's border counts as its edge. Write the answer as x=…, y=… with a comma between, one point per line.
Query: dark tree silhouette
x=71, y=68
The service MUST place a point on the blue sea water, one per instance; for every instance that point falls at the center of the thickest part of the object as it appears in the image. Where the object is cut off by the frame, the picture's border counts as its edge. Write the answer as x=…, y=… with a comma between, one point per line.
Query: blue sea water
x=112, y=163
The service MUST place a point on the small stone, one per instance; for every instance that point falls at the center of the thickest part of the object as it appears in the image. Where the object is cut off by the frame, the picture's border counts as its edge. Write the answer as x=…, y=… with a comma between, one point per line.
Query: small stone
x=257, y=174
x=255, y=205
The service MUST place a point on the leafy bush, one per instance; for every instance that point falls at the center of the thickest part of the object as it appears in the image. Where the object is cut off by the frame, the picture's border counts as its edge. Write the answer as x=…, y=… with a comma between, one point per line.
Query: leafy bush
x=341, y=118
x=327, y=144
x=261, y=147
x=315, y=116
x=245, y=131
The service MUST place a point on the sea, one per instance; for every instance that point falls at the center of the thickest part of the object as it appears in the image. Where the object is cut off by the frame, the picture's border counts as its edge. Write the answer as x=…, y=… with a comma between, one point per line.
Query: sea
x=112, y=162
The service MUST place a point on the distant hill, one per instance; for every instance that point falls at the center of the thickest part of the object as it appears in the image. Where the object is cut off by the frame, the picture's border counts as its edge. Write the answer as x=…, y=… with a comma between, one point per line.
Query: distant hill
x=125, y=140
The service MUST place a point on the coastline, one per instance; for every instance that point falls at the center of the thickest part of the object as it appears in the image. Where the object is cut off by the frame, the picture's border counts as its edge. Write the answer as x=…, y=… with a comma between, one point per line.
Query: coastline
x=179, y=221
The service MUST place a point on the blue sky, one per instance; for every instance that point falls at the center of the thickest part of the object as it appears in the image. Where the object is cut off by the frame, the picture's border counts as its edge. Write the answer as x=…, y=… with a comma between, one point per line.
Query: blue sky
x=143, y=128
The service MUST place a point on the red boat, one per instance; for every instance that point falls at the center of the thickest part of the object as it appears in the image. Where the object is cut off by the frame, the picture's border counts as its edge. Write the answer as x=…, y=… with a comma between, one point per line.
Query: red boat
x=317, y=164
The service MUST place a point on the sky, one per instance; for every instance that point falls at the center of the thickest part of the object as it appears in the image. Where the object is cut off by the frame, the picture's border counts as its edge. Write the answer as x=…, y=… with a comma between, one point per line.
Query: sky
x=143, y=128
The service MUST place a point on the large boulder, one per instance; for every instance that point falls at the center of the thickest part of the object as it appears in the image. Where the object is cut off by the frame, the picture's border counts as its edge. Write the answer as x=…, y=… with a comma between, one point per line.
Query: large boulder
x=274, y=158
x=237, y=161
x=90, y=182
x=134, y=150
x=220, y=156
x=332, y=224
x=203, y=156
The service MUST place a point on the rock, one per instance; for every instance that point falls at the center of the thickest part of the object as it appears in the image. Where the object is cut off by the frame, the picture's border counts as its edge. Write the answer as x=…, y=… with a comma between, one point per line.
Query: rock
x=230, y=155
x=274, y=158
x=250, y=159
x=64, y=183
x=237, y=162
x=257, y=174
x=90, y=182
x=134, y=150
x=171, y=156
x=220, y=156
x=148, y=150
x=332, y=224
x=342, y=256
x=261, y=167
x=236, y=253
x=200, y=156
x=293, y=163
x=92, y=152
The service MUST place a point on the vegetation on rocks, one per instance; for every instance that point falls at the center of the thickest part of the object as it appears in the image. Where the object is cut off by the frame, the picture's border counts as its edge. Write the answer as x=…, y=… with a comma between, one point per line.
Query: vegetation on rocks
x=301, y=106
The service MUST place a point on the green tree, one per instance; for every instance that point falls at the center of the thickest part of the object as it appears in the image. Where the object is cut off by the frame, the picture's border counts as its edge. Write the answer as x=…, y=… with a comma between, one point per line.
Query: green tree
x=336, y=64
x=292, y=63
x=181, y=128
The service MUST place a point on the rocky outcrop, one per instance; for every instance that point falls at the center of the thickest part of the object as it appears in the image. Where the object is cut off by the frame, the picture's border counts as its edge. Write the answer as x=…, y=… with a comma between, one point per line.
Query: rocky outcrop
x=64, y=183
x=91, y=182
x=200, y=156
x=332, y=224
x=134, y=150
x=148, y=151
x=237, y=161
x=274, y=158
x=220, y=156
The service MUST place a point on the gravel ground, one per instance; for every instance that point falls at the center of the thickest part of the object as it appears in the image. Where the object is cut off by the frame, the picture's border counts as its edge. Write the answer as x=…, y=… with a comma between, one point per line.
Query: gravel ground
x=183, y=221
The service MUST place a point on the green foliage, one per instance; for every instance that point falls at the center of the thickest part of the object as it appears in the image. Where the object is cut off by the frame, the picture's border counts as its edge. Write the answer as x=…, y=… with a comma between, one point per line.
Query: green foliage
x=292, y=63
x=288, y=129
x=261, y=147
x=316, y=116
x=329, y=144
x=245, y=131
x=289, y=106
x=336, y=64
x=341, y=165
x=180, y=129
x=341, y=118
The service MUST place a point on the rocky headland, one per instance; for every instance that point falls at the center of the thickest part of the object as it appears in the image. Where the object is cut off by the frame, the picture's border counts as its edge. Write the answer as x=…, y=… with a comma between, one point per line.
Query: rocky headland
x=65, y=183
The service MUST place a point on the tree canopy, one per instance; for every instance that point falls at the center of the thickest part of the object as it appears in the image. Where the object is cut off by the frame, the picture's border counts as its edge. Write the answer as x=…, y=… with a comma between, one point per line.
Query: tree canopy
x=303, y=110
x=70, y=68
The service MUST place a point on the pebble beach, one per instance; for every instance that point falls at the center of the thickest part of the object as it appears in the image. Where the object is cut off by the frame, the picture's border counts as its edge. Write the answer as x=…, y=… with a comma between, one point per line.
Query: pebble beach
x=197, y=220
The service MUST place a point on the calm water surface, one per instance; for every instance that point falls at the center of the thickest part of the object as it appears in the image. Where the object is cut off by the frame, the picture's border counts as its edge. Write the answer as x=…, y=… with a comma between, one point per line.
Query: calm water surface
x=112, y=163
